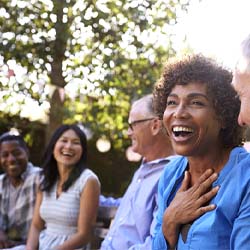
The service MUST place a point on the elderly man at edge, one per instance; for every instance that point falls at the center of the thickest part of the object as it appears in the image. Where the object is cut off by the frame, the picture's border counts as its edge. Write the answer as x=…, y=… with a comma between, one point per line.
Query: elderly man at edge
x=133, y=224
x=241, y=82
x=18, y=186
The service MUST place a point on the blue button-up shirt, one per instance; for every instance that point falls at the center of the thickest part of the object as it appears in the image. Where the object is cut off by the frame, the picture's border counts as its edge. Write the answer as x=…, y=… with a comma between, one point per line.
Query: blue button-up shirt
x=226, y=227
x=133, y=224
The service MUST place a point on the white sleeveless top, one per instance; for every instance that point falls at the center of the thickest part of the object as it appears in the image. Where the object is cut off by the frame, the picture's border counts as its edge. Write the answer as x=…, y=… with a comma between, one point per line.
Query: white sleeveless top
x=61, y=214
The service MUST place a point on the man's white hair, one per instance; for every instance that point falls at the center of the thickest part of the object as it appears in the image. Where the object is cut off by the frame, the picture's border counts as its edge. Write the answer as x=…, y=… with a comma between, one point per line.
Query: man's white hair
x=243, y=64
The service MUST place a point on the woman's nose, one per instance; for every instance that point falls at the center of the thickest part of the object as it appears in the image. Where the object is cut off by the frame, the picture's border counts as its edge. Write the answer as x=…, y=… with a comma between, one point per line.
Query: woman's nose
x=180, y=111
x=68, y=144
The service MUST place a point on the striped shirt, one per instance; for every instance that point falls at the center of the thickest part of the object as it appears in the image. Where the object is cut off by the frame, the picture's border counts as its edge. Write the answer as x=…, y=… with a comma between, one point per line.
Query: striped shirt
x=17, y=204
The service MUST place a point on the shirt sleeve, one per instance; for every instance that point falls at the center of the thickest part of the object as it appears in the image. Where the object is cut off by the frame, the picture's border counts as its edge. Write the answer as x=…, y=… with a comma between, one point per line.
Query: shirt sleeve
x=109, y=201
x=86, y=174
x=1, y=217
x=159, y=242
x=240, y=239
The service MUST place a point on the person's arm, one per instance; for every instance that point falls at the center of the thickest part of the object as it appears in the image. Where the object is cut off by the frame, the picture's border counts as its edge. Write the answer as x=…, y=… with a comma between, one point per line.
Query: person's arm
x=87, y=216
x=109, y=201
x=37, y=225
x=4, y=242
x=240, y=236
x=3, y=237
x=158, y=241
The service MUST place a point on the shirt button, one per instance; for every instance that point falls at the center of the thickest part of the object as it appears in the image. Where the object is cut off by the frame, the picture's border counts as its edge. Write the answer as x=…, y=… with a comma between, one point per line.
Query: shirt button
x=139, y=180
x=109, y=238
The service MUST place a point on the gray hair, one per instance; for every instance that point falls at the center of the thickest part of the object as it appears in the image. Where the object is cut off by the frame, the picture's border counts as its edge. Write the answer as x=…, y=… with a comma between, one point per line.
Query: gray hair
x=243, y=64
x=148, y=101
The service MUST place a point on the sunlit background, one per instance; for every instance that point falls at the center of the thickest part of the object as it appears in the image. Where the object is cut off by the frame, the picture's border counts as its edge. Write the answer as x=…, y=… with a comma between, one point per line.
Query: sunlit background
x=215, y=28
x=212, y=27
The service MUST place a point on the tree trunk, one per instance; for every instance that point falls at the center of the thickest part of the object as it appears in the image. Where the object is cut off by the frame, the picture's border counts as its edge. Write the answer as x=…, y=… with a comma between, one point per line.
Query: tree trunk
x=56, y=112
x=56, y=76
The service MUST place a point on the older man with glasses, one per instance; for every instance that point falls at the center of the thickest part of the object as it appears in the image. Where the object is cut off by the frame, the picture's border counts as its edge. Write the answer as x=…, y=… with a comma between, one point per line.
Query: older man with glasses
x=133, y=224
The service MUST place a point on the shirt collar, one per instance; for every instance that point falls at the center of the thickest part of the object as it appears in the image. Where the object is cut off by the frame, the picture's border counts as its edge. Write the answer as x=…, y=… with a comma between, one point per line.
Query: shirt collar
x=157, y=161
x=27, y=171
x=148, y=168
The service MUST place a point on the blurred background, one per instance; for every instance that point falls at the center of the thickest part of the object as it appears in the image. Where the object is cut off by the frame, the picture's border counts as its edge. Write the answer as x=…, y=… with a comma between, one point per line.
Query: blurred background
x=85, y=61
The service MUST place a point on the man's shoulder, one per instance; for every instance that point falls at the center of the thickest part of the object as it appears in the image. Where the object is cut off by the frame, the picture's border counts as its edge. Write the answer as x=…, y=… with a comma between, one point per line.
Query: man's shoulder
x=2, y=176
x=33, y=174
x=36, y=170
x=33, y=169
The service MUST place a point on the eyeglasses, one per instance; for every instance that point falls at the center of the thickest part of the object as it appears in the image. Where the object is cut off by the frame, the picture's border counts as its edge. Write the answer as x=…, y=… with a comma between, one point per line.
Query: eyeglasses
x=131, y=124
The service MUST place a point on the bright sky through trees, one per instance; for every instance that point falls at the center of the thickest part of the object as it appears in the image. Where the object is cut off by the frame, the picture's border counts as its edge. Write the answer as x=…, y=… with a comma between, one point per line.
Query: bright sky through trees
x=213, y=27
x=216, y=28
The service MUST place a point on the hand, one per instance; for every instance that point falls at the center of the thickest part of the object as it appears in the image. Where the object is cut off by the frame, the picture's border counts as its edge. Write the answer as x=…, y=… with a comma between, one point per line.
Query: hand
x=5, y=244
x=3, y=240
x=189, y=204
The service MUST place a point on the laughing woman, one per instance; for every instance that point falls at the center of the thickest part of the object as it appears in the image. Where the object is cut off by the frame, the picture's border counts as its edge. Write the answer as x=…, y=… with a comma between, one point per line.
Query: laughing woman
x=67, y=202
x=204, y=196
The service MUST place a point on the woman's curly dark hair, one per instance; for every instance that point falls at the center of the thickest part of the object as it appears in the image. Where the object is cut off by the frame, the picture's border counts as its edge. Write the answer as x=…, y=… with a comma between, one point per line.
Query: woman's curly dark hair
x=197, y=68
x=49, y=166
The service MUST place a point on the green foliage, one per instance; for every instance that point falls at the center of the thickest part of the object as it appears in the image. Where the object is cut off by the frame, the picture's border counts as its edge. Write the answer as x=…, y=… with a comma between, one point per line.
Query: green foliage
x=99, y=55
x=109, y=52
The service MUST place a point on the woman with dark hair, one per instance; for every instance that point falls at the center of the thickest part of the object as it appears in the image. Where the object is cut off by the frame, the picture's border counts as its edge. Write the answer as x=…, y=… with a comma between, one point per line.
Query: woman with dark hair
x=204, y=196
x=67, y=201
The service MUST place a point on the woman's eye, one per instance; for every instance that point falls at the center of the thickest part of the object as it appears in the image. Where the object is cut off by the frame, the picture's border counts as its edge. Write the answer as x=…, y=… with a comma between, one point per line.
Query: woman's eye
x=170, y=102
x=198, y=103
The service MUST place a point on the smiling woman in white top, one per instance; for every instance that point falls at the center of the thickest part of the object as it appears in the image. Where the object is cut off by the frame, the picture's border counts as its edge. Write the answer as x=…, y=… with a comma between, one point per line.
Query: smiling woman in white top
x=67, y=201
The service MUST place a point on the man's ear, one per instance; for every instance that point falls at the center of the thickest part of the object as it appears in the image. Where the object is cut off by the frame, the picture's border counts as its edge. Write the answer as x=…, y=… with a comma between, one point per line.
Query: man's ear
x=156, y=126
